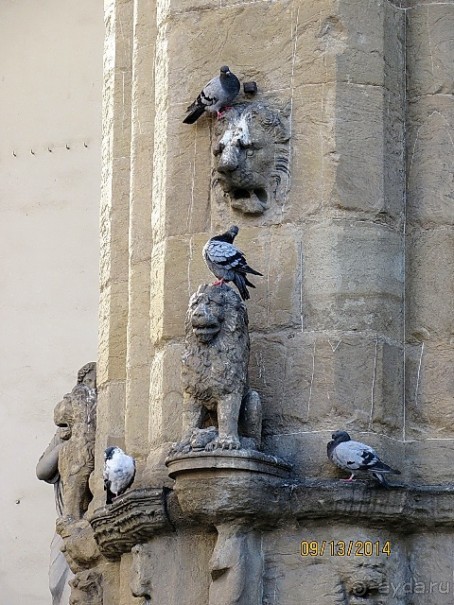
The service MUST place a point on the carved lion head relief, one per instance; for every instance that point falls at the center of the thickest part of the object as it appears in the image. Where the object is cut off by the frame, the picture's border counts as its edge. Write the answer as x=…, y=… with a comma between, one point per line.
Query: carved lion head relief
x=251, y=156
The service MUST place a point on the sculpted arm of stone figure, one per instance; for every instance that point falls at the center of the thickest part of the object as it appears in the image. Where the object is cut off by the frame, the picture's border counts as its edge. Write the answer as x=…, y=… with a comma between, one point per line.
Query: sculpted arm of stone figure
x=47, y=467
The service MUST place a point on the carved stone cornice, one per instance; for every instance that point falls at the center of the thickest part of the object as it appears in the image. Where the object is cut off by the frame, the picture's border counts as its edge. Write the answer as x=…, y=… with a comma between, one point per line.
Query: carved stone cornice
x=212, y=491
x=207, y=494
x=133, y=518
x=406, y=508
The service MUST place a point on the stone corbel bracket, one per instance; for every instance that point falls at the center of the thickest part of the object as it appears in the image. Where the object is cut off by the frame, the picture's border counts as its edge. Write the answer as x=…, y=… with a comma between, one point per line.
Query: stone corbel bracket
x=133, y=518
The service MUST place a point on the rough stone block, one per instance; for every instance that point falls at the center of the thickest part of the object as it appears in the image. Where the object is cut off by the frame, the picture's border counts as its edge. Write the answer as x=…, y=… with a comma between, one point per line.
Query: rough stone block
x=430, y=580
x=312, y=382
x=353, y=42
x=430, y=390
x=169, y=301
x=352, y=277
x=430, y=48
x=431, y=459
x=186, y=205
x=113, y=319
x=275, y=302
x=136, y=413
x=291, y=578
x=430, y=284
x=114, y=223
x=430, y=161
x=166, y=396
x=261, y=54
x=366, y=150
x=314, y=159
x=139, y=314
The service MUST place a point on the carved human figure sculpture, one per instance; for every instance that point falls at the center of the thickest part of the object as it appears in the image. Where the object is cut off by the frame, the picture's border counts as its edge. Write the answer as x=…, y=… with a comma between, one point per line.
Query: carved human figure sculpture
x=251, y=156
x=52, y=468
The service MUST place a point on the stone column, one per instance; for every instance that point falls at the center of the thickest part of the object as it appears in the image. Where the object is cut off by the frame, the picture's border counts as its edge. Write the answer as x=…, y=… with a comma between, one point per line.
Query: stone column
x=430, y=278
x=430, y=240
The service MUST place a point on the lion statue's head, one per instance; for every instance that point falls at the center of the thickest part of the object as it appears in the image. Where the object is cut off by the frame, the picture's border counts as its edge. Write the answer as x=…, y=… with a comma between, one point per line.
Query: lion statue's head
x=251, y=156
x=213, y=309
x=216, y=352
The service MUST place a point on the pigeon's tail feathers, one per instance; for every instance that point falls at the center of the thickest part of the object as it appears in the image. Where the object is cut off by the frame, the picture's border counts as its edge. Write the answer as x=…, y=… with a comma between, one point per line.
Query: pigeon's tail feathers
x=249, y=269
x=240, y=282
x=381, y=467
x=381, y=479
x=196, y=112
x=247, y=282
x=109, y=494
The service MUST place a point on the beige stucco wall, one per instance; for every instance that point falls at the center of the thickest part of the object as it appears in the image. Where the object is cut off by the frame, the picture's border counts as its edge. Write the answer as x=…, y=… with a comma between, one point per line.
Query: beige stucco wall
x=50, y=81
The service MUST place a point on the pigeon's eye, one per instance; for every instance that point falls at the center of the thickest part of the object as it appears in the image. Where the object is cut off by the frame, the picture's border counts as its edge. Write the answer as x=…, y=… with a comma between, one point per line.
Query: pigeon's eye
x=249, y=153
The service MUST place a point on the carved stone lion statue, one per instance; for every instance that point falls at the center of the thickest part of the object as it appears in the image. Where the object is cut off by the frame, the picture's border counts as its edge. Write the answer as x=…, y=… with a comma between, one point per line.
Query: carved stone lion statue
x=215, y=374
x=251, y=156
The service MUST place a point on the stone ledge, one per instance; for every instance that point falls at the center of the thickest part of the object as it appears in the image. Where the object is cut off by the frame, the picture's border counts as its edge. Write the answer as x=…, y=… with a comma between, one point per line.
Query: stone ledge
x=203, y=498
x=405, y=507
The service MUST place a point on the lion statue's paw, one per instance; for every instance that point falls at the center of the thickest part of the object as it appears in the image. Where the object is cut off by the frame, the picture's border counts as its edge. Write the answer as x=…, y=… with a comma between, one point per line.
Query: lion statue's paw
x=228, y=442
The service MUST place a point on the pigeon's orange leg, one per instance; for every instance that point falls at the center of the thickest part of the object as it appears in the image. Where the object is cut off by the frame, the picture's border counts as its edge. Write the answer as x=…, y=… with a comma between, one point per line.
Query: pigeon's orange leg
x=219, y=282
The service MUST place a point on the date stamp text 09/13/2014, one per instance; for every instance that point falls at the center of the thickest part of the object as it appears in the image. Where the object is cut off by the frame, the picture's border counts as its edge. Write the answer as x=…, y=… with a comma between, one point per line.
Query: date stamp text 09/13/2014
x=345, y=548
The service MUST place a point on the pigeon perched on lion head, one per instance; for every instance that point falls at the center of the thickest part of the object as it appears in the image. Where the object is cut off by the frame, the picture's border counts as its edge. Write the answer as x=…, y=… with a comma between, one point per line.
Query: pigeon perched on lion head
x=217, y=94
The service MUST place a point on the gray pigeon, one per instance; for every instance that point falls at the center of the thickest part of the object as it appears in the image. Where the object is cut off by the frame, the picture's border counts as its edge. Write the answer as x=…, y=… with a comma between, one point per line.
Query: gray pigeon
x=219, y=92
x=119, y=472
x=355, y=456
x=227, y=262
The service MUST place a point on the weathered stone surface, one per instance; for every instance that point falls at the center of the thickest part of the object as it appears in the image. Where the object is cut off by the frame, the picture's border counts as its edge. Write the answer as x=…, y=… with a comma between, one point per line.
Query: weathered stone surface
x=431, y=456
x=165, y=395
x=430, y=161
x=170, y=568
x=430, y=580
x=430, y=387
x=430, y=48
x=430, y=284
x=269, y=67
x=352, y=277
x=298, y=374
x=326, y=579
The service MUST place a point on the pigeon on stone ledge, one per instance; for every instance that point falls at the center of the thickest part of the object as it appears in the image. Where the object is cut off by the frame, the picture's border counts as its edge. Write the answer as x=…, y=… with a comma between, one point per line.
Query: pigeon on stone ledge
x=355, y=456
x=227, y=262
x=218, y=93
x=119, y=472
